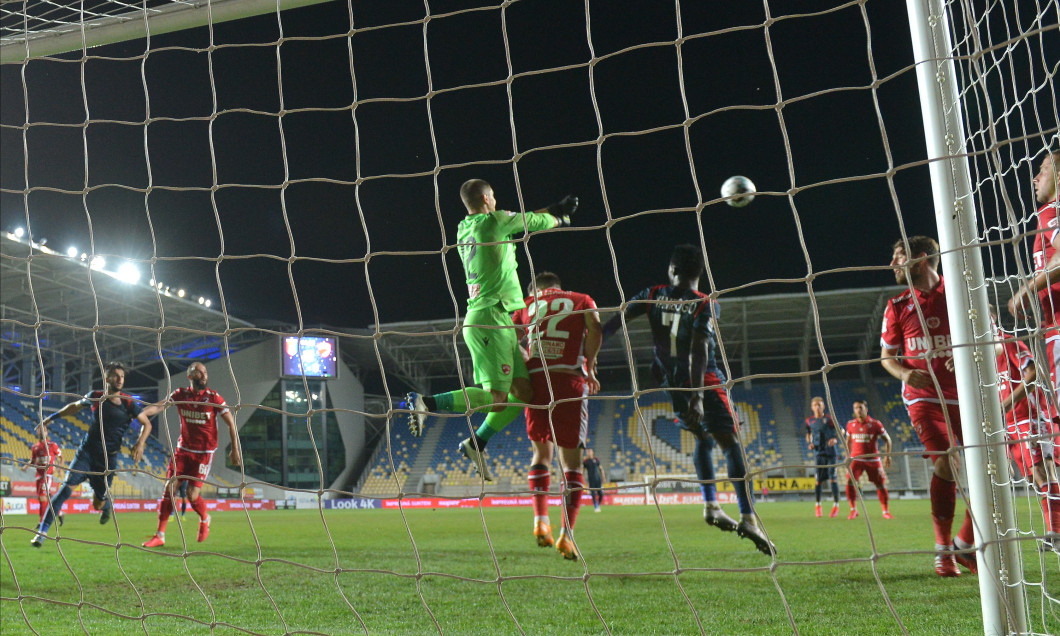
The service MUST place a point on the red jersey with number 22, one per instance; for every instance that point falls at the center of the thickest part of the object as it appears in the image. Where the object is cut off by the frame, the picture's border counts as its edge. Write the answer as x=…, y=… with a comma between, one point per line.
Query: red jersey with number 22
x=905, y=334
x=198, y=418
x=555, y=322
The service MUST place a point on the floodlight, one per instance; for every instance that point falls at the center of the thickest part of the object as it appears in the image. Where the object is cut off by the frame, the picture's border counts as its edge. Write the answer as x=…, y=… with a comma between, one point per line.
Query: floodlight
x=71, y=251
x=20, y=232
x=97, y=262
x=128, y=273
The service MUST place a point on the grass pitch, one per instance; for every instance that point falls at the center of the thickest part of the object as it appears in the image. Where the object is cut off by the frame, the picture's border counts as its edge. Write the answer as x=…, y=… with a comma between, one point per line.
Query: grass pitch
x=645, y=570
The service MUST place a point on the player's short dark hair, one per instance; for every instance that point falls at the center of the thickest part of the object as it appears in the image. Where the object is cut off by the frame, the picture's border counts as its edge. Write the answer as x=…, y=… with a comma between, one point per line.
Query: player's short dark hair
x=865, y=402
x=544, y=280
x=687, y=261
x=111, y=367
x=472, y=190
x=921, y=245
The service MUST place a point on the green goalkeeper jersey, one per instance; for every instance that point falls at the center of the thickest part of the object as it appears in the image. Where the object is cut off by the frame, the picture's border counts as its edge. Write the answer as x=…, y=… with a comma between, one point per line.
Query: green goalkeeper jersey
x=490, y=269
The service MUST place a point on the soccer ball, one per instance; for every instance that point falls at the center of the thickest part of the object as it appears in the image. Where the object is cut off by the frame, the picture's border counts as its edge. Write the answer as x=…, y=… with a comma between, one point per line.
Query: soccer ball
x=741, y=189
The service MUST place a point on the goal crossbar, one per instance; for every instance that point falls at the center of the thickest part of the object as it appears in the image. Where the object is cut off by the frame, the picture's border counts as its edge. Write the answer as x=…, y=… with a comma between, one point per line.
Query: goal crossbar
x=63, y=36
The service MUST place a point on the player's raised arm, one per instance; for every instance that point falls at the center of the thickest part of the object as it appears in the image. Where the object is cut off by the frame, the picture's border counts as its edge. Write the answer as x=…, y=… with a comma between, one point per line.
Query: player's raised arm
x=634, y=309
x=70, y=409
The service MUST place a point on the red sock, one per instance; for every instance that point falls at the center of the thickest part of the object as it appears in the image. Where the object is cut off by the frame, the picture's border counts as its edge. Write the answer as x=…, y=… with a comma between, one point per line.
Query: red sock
x=881, y=492
x=540, y=482
x=967, y=532
x=1051, y=506
x=852, y=494
x=44, y=511
x=165, y=509
x=943, y=503
x=572, y=502
x=199, y=506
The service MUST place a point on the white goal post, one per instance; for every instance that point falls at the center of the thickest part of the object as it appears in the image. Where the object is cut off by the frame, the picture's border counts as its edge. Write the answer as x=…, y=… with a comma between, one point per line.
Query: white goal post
x=1000, y=566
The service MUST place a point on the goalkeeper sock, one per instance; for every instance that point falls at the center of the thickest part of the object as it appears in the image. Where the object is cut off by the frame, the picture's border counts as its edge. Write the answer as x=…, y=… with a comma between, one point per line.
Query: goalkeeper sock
x=540, y=481
x=572, y=498
x=497, y=420
x=943, y=503
x=458, y=402
x=704, y=464
x=817, y=492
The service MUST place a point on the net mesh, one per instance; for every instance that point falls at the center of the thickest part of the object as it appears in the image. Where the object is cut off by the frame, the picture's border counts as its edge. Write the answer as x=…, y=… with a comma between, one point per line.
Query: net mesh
x=303, y=165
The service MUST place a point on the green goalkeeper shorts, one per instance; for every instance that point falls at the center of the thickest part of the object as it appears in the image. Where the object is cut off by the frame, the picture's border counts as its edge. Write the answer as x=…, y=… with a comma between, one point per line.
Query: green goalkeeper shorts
x=494, y=343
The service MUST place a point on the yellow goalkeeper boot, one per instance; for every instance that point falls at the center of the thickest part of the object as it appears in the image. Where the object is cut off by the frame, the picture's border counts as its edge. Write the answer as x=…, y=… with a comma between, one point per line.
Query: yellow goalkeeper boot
x=543, y=534
x=565, y=546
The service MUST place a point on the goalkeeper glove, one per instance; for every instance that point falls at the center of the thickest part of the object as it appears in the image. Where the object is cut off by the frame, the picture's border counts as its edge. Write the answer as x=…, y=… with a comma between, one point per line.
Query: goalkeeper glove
x=563, y=209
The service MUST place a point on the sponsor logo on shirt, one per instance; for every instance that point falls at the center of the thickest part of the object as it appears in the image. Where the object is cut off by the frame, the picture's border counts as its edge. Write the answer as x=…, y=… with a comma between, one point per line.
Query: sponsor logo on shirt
x=918, y=344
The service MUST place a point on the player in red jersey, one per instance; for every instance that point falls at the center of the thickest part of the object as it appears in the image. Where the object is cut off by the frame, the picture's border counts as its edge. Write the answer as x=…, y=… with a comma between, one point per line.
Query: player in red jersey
x=563, y=336
x=918, y=352
x=1046, y=281
x=862, y=433
x=1030, y=422
x=43, y=456
x=199, y=407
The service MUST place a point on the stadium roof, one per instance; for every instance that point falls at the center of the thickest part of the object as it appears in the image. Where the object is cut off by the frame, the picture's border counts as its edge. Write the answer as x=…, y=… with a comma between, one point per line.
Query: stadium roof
x=70, y=310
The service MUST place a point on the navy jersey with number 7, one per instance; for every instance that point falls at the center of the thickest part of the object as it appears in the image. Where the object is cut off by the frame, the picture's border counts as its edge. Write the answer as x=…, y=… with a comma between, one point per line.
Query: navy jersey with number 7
x=674, y=322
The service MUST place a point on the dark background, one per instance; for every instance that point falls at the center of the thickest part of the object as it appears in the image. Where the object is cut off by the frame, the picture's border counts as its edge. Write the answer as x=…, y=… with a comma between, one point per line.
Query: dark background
x=307, y=193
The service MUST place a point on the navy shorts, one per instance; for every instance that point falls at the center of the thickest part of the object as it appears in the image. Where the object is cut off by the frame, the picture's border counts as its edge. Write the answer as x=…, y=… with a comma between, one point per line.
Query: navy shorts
x=717, y=416
x=825, y=466
x=85, y=464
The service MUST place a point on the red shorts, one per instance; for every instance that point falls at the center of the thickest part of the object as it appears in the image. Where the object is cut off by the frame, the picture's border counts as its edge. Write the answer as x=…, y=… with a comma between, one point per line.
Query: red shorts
x=44, y=487
x=930, y=425
x=188, y=464
x=871, y=467
x=1027, y=454
x=570, y=419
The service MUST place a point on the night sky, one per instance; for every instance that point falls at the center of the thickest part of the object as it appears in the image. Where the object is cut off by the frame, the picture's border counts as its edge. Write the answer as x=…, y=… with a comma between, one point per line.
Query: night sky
x=372, y=187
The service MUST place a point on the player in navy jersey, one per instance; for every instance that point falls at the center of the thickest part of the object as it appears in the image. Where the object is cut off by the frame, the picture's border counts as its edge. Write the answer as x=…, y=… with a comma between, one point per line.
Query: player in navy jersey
x=97, y=457
x=683, y=328
x=822, y=439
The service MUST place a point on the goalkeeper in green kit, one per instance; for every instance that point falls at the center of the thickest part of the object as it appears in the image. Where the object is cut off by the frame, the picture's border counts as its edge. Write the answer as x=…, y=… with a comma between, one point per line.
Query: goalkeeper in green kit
x=483, y=240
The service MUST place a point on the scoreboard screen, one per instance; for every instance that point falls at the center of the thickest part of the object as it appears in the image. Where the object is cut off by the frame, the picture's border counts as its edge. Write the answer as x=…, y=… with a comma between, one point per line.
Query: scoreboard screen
x=311, y=356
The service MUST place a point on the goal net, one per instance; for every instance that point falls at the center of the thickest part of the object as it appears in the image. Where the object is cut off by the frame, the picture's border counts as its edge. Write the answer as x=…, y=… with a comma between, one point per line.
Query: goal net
x=291, y=168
